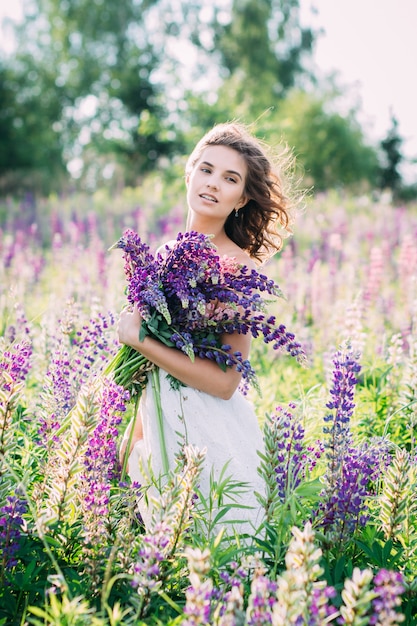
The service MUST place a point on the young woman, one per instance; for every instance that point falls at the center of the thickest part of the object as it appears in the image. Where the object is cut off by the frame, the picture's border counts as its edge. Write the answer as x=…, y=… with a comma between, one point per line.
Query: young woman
x=235, y=195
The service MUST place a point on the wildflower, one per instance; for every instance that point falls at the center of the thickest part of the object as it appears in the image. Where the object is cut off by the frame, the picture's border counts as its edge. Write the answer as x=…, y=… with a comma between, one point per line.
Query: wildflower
x=19, y=328
x=388, y=587
x=11, y=521
x=346, y=367
x=233, y=614
x=198, y=596
x=261, y=601
x=15, y=364
x=353, y=325
x=147, y=569
x=56, y=398
x=95, y=415
x=90, y=345
x=177, y=499
x=395, y=494
x=344, y=503
x=76, y=357
x=100, y=461
x=351, y=470
x=374, y=274
x=320, y=610
x=357, y=597
x=291, y=460
x=301, y=595
x=286, y=459
x=407, y=262
x=14, y=367
x=229, y=610
x=189, y=298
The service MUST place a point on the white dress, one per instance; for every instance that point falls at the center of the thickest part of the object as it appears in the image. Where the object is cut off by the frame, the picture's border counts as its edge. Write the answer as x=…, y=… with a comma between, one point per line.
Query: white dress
x=227, y=429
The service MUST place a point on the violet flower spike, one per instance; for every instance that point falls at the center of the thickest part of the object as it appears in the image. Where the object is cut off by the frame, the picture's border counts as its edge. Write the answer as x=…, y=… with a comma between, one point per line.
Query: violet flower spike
x=190, y=298
x=11, y=521
x=101, y=461
x=389, y=586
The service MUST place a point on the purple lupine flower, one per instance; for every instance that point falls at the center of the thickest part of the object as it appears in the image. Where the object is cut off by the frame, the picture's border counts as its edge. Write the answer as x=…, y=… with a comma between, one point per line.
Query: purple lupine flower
x=76, y=356
x=344, y=507
x=198, y=604
x=199, y=596
x=14, y=367
x=236, y=576
x=320, y=611
x=261, y=601
x=147, y=569
x=58, y=396
x=291, y=459
x=190, y=298
x=15, y=363
x=90, y=346
x=374, y=274
x=388, y=586
x=346, y=367
x=101, y=460
x=314, y=452
x=229, y=598
x=19, y=328
x=351, y=470
x=11, y=521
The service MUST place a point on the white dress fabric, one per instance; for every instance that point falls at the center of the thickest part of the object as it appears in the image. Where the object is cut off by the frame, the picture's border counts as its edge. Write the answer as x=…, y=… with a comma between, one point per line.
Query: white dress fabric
x=227, y=429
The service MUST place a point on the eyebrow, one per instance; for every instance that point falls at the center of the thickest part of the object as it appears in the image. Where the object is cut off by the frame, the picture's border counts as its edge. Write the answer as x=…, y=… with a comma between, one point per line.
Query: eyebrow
x=228, y=171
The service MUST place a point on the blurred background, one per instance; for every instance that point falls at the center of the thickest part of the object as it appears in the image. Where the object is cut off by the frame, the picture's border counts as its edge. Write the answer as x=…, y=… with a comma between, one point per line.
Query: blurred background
x=109, y=95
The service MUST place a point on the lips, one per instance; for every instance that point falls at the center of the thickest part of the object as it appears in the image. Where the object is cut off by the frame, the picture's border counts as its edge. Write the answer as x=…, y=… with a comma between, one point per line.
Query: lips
x=207, y=196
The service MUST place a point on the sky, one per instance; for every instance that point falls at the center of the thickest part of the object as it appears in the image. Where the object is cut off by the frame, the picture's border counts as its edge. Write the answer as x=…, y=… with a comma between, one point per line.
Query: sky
x=371, y=45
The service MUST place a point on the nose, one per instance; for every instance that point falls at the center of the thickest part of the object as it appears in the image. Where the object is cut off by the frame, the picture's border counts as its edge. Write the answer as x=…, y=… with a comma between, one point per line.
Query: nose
x=212, y=184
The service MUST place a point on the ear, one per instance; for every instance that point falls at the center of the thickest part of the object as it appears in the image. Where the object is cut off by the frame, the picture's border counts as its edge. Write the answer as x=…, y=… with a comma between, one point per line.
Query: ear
x=244, y=200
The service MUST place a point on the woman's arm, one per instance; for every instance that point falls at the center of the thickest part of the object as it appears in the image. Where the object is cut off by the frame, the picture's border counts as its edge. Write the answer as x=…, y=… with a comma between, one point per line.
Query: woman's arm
x=202, y=374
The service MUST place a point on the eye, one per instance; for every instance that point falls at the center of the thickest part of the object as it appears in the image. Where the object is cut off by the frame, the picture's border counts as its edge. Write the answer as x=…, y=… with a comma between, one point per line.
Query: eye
x=205, y=170
x=232, y=179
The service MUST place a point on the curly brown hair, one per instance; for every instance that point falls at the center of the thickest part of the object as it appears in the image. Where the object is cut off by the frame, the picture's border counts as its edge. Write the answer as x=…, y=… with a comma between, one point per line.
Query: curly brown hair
x=268, y=210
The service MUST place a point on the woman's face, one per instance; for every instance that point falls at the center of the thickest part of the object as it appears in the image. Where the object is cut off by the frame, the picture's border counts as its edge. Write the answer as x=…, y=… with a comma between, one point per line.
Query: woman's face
x=216, y=185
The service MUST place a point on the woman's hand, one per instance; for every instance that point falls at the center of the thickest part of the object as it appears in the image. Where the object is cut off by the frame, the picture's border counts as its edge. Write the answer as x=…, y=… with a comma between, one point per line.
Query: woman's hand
x=128, y=327
x=202, y=374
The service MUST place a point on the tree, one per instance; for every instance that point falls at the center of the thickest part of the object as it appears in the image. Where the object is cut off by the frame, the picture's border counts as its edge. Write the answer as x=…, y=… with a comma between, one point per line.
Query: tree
x=389, y=176
x=106, y=82
x=329, y=147
x=85, y=69
x=30, y=146
x=263, y=49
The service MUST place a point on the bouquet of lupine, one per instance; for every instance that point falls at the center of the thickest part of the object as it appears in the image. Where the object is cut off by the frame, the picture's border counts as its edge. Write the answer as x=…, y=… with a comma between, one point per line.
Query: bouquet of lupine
x=190, y=298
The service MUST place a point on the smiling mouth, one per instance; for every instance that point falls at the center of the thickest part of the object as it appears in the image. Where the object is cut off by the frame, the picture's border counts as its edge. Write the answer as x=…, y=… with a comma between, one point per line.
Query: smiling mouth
x=208, y=197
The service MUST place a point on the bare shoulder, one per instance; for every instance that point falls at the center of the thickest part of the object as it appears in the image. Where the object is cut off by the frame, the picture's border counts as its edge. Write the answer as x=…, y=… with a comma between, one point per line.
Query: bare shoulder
x=240, y=256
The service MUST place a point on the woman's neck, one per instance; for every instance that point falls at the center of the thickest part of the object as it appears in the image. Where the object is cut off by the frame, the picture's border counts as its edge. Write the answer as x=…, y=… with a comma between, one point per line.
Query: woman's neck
x=208, y=227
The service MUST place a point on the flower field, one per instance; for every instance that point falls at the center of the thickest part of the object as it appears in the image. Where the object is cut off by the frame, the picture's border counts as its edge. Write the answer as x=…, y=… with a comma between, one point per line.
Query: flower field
x=339, y=538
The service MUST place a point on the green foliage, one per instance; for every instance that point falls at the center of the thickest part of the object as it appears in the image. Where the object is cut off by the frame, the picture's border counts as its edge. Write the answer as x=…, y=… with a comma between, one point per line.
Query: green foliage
x=330, y=148
x=98, y=89
x=30, y=146
x=389, y=176
x=102, y=91
x=82, y=76
x=263, y=49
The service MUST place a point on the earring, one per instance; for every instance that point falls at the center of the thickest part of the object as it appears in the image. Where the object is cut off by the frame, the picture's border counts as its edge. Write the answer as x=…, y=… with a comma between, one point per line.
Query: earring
x=236, y=212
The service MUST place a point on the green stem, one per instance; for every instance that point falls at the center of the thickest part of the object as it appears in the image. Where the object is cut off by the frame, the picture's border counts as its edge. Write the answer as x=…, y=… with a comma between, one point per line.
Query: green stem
x=171, y=602
x=129, y=441
x=159, y=417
